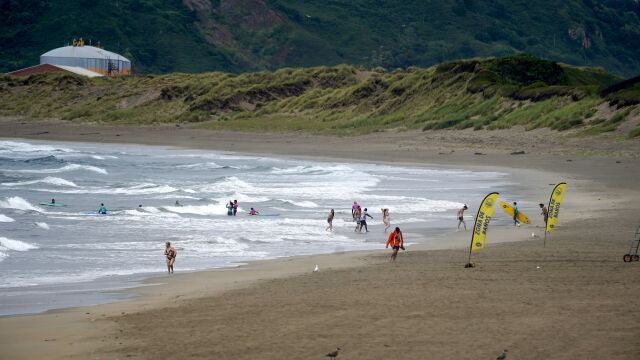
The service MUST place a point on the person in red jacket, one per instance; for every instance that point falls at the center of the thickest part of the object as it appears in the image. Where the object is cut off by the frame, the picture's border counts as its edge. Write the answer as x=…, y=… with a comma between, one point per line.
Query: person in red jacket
x=396, y=241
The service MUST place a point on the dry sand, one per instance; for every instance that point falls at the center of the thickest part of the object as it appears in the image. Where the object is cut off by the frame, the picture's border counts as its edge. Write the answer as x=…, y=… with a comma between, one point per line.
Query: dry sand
x=573, y=299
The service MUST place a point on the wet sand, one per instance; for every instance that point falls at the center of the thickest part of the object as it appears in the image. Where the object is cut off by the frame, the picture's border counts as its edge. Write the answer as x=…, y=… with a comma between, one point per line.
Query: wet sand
x=573, y=298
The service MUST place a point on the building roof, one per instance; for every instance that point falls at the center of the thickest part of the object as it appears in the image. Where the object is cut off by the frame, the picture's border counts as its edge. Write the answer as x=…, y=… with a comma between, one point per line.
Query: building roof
x=80, y=71
x=90, y=52
x=47, y=68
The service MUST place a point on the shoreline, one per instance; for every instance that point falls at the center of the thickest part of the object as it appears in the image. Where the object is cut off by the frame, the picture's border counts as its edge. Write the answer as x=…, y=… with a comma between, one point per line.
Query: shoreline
x=138, y=280
x=88, y=327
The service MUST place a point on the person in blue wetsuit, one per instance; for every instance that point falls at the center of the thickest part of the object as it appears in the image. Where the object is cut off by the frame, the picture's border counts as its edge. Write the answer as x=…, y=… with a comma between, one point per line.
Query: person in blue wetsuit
x=102, y=210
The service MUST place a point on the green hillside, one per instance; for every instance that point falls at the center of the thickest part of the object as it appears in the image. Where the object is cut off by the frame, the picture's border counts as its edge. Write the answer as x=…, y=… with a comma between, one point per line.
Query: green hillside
x=344, y=100
x=250, y=35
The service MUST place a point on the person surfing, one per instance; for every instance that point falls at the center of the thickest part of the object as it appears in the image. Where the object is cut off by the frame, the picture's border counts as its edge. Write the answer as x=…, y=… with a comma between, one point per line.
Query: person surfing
x=102, y=210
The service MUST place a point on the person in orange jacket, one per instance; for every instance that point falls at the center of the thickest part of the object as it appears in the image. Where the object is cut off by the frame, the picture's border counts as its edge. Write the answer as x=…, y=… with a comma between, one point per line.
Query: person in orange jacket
x=396, y=241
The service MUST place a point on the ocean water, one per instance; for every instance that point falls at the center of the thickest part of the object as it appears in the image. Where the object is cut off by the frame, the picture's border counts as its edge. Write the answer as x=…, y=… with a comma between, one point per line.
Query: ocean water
x=68, y=255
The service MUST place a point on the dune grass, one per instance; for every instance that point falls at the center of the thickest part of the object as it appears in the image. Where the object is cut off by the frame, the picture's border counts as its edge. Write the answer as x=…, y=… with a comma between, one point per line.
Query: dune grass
x=342, y=100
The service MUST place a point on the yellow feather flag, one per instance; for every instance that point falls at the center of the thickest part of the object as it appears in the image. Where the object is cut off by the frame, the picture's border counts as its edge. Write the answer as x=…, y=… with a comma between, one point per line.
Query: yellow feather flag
x=485, y=213
x=554, y=205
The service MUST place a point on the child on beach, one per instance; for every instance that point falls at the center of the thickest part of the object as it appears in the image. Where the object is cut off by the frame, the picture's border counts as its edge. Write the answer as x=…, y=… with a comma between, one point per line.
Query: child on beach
x=461, y=217
x=330, y=220
x=253, y=212
x=396, y=241
x=386, y=219
x=171, y=254
x=356, y=218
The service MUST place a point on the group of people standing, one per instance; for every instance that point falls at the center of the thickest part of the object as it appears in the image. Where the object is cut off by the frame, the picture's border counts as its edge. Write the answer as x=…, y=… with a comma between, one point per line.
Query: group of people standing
x=359, y=216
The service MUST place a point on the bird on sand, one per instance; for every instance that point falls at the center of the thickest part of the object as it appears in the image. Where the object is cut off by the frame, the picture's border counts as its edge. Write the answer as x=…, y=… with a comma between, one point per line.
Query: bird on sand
x=316, y=269
x=333, y=354
x=502, y=356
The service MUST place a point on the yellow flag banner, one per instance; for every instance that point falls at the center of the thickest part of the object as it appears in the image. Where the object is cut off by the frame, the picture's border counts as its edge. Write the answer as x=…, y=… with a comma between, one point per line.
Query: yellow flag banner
x=554, y=205
x=485, y=213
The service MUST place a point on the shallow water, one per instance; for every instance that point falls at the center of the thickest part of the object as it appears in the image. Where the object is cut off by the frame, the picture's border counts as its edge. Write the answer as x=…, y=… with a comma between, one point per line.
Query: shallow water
x=46, y=251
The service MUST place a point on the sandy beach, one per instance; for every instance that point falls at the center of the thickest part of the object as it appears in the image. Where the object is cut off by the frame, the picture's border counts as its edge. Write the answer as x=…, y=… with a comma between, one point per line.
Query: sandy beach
x=574, y=298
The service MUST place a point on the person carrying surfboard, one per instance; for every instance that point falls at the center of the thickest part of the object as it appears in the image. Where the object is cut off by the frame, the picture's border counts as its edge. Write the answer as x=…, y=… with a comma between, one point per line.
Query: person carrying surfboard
x=461, y=217
x=515, y=214
x=396, y=241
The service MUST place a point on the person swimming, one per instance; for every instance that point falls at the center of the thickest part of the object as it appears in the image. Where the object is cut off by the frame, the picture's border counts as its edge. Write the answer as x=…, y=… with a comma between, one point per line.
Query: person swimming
x=253, y=212
x=102, y=210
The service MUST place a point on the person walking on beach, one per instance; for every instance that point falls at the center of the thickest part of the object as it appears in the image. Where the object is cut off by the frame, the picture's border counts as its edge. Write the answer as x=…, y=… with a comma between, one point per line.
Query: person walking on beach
x=363, y=220
x=461, y=217
x=171, y=254
x=332, y=214
x=230, y=208
x=545, y=214
x=515, y=214
x=396, y=241
x=386, y=219
x=235, y=207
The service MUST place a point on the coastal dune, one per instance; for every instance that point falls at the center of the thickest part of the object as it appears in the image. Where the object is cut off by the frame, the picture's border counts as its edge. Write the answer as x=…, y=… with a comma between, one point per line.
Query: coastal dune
x=574, y=298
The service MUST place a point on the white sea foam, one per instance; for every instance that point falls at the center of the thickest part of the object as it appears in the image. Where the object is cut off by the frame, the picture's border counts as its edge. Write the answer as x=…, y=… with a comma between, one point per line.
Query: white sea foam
x=241, y=197
x=47, y=180
x=68, y=167
x=14, y=147
x=210, y=165
x=140, y=189
x=103, y=157
x=7, y=245
x=297, y=170
x=5, y=218
x=210, y=209
x=42, y=225
x=18, y=203
x=301, y=203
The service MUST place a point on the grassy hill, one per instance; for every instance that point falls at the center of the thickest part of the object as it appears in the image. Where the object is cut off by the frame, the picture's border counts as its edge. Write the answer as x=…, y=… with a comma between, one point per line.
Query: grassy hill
x=250, y=35
x=344, y=100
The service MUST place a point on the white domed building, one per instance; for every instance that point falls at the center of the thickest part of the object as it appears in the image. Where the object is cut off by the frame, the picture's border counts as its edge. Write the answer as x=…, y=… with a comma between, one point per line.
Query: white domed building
x=88, y=57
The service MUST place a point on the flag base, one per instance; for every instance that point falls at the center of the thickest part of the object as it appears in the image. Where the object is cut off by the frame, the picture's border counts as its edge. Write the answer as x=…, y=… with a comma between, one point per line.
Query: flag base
x=469, y=265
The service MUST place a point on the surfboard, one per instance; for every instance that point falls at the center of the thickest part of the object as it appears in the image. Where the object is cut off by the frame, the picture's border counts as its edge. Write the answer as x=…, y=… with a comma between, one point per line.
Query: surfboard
x=50, y=204
x=509, y=210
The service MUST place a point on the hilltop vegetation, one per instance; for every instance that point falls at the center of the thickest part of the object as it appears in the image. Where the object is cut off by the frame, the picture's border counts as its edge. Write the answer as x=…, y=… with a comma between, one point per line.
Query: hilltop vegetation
x=252, y=35
x=344, y=100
